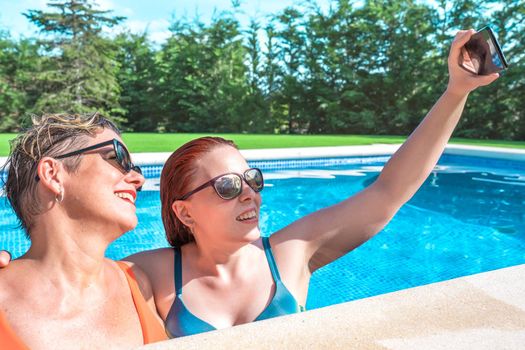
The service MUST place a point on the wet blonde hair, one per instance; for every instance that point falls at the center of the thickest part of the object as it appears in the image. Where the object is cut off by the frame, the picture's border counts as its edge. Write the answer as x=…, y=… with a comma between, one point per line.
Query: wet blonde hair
x=50, y=135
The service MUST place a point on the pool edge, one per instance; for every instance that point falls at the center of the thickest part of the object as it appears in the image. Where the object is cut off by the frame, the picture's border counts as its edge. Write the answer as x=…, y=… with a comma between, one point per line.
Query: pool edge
x=482, y=311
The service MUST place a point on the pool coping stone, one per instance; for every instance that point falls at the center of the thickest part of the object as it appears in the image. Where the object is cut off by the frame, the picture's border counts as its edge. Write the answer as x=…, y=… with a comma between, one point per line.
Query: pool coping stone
x=483, y=311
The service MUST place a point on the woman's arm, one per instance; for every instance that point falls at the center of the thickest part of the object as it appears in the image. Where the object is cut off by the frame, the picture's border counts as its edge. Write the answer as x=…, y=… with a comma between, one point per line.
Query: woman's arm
x=325, y=235
x=157, y=264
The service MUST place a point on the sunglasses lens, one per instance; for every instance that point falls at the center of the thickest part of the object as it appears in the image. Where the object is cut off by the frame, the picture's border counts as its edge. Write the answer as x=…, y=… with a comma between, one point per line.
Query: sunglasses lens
x=254, y=179
x=228, y=186
x=124, y=158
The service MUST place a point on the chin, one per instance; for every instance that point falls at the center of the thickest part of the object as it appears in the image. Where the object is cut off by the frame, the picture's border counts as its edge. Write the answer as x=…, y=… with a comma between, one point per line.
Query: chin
x=252, y=235
x=128, y=224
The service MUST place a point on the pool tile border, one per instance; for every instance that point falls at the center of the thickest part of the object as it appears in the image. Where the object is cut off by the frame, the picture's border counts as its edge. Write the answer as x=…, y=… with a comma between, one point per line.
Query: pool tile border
x=291, y=158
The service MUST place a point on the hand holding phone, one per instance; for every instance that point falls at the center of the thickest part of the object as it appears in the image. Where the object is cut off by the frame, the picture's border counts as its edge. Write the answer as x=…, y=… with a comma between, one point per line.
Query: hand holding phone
x=482, y=54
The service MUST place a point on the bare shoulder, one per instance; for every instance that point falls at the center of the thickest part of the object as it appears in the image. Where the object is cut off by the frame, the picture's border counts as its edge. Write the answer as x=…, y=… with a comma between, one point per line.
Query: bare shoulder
x=4, y=288
x=141, y=278
x=153, y=258
x=10, y=298
x=288, y=241
x=287, y=247
x=13, y=280
x=156, y=264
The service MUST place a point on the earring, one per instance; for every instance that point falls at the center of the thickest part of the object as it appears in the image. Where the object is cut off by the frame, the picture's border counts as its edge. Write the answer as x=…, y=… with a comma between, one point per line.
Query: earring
x=60, y=197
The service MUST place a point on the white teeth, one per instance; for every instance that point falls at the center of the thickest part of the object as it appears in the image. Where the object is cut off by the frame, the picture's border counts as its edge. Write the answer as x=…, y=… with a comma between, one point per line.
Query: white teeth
x=246, y=216
x=125, y=195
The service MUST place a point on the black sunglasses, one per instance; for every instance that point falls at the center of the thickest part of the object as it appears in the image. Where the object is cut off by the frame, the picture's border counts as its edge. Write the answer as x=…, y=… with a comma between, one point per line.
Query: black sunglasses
x=122, y=157
x=228, y=186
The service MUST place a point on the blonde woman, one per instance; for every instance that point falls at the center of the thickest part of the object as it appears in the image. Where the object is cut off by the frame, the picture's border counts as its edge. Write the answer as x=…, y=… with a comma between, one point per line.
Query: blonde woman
x=72, y=184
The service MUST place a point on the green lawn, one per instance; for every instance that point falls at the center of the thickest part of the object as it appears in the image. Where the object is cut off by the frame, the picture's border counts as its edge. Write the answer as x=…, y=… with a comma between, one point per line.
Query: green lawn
x=151, y=142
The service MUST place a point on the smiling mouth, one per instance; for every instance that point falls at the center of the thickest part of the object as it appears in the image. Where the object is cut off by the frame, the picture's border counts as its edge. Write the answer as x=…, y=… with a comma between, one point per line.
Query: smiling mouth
x=125, y=196
x=247, y=216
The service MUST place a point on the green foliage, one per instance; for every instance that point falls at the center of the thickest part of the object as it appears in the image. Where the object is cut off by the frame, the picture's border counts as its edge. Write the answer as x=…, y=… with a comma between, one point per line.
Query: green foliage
x=19, y=62
x=358, y=67
x=78, y=69
x=205, y=85
x=139, y=77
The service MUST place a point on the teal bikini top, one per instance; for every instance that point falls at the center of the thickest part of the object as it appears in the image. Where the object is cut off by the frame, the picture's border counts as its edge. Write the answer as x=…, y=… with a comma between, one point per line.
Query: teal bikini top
x=181, y=322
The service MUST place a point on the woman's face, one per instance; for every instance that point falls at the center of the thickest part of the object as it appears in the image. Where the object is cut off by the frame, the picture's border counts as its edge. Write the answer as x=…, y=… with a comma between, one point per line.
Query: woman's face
x=236, y=219
x=99, y=193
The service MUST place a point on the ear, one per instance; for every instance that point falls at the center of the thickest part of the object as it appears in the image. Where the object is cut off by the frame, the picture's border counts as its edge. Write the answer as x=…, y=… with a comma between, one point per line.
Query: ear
x=182, y=210
x=49, y=172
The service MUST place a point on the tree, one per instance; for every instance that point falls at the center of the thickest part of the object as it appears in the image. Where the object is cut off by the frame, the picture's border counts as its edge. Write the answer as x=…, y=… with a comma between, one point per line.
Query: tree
x=255, y=108
x=271, y=81
x=138, y=77
x=291, y=41
x=359, y=67
x=18, y=63
x=205, y=77
x=79, y=67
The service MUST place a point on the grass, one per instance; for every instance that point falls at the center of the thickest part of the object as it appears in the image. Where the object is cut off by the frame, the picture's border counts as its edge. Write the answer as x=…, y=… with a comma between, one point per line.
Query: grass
x=169, y=142
x=152, y=142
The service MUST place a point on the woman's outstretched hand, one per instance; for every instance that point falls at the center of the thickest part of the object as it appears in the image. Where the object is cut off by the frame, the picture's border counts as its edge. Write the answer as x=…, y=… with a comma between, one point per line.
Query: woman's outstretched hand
x=5, y=258
x=460, y=81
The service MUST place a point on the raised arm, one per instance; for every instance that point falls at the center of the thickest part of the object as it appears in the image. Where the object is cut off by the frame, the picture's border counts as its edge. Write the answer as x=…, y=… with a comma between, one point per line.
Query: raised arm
x=325, y=235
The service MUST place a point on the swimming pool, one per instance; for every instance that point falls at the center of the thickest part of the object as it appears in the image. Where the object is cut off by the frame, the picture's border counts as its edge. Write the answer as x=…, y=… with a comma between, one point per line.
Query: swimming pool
x=468, y=217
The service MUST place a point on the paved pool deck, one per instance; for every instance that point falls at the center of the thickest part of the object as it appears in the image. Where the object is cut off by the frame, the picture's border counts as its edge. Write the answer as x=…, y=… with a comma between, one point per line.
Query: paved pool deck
x=345, y=151
x=485, y=311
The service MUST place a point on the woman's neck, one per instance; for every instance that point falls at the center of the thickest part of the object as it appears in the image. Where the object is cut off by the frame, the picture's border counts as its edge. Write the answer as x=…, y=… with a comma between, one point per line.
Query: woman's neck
x=224, y=257
x=70, y=254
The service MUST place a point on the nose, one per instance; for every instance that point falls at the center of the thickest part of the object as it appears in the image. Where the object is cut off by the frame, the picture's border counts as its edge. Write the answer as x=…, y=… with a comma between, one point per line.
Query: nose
x=247, y=192
x=135, y=178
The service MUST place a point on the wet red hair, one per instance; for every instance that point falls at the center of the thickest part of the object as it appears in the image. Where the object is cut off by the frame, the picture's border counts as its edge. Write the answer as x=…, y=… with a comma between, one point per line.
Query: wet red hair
x=175, y=181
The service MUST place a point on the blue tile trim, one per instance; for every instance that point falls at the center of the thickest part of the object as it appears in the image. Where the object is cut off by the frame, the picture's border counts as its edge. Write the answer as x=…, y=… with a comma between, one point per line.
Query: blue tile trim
x=154, y=171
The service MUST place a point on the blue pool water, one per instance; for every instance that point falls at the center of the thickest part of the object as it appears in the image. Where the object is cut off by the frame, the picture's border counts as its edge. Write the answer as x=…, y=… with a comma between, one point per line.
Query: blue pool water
x=468, y=217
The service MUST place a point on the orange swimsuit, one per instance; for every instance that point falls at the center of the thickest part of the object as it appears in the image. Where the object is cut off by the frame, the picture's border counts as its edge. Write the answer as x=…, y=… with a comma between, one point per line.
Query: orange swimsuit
x=8, y=338
x=152, y=329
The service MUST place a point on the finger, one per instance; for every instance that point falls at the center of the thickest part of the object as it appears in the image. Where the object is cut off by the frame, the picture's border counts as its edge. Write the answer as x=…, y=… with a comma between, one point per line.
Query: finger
x=466, y=63
x=5, y=258
x=461, y=38
x=464, y=53
x=487, y=79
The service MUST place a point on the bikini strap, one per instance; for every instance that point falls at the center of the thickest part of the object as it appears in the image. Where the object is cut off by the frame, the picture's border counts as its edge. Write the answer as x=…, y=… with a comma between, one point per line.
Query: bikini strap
x=271, y=260
x=177, y=270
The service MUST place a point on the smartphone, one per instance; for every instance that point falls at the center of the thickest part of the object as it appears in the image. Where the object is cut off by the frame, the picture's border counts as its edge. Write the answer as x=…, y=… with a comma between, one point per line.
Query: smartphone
x=482, y=54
